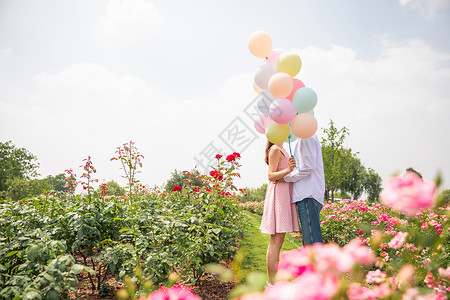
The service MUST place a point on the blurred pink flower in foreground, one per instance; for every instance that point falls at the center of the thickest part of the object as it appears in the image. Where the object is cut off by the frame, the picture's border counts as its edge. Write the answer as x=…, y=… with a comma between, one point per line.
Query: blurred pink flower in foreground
x=310, y=286
x=324, y=258
x=174, y=293
x=408, y=193
x=444, y=273
x=358, y=292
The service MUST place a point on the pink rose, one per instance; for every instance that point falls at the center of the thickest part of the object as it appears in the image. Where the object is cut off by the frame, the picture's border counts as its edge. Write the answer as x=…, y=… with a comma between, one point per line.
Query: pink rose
x=174, y=293
x=282, y=290
x=410, y=294
x=382, y=291
x=398, y=240
x=377, y=276
x=308, y=286
x=293, y=263
x=444, y=273
x=360, y=252
x=408, y=193
x=358, y=292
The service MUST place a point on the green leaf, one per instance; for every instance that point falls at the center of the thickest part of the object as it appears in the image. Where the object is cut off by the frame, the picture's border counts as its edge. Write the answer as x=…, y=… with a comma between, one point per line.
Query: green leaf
x=77, y=269
x=32, y=252
x=49, y=277
x=52, y=295
x=33, y=295
x=12, y=253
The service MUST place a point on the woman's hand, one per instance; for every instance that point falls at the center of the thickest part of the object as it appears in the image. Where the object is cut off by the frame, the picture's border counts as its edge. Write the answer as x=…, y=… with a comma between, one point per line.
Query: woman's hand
x=291, y=163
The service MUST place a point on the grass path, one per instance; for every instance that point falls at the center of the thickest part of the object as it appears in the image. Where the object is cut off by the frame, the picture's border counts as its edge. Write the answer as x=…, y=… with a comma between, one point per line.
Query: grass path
x=254, y=244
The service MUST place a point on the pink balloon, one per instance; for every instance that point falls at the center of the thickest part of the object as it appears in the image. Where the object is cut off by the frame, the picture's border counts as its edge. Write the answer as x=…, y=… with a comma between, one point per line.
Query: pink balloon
x=273, y=57
x=304, y=125
x=280, y=85
x=297, y=84
x=261, y=123
x=282, y=111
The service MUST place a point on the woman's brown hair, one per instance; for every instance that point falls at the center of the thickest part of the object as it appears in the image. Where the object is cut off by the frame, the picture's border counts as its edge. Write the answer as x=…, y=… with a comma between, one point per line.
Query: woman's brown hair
x=269, y=144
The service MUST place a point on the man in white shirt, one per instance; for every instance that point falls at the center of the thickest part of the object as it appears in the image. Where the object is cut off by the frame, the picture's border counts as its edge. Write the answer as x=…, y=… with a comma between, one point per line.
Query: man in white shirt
x=309, y=187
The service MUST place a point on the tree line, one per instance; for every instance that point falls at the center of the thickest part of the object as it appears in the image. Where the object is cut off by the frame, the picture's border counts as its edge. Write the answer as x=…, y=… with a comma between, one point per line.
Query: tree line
x=18, y=175
x=345, y=174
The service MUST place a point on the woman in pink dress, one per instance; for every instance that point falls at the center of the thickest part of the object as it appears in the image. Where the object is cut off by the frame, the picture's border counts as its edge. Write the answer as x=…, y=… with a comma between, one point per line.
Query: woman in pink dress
x=280, y=215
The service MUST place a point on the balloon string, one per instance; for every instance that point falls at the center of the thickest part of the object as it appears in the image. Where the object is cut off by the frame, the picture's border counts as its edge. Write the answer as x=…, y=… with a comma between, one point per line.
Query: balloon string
x=289, y=140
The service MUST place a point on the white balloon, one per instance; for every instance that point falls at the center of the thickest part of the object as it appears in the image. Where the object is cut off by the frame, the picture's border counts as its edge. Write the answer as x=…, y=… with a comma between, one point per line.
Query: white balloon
x=264, y=102
x=263, y=74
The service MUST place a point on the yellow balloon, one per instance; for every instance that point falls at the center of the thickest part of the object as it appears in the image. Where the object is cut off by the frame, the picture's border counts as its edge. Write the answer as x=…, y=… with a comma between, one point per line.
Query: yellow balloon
x=277, y=133
x=289, y=63
x=260, y=44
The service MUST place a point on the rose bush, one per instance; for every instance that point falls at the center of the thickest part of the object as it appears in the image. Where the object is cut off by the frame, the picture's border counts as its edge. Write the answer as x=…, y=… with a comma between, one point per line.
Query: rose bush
x=149, y=229
x=404, y=241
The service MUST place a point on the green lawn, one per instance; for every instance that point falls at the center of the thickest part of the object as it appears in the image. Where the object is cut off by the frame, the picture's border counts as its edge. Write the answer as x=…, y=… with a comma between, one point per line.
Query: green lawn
x=254, y=244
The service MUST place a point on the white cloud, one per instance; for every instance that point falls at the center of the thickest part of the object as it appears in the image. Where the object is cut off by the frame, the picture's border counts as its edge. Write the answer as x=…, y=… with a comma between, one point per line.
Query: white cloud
x=5, y=54
x=427, y=8
x=86, y=109
x=130, y=20
x=395, y=106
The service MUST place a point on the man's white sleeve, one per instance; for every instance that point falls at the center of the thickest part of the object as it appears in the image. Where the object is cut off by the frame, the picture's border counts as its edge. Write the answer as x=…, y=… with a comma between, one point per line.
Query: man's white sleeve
x=307, y=162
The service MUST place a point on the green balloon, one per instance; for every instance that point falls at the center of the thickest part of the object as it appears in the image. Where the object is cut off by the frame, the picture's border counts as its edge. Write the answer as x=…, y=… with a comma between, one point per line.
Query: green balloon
x=304, y=99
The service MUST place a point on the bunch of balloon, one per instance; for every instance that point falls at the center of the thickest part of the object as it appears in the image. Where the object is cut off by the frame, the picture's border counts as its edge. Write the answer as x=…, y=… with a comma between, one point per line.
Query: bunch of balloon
x=285, y=103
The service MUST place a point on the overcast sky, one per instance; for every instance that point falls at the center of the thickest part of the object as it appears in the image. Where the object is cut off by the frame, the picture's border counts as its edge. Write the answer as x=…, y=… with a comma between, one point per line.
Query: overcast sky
x=80, y=78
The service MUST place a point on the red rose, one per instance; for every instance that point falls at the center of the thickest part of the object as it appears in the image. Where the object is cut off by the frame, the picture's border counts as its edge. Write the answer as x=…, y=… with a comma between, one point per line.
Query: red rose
x=218, y=156
x=176, y=188
x=233, y=156
x=216, y=174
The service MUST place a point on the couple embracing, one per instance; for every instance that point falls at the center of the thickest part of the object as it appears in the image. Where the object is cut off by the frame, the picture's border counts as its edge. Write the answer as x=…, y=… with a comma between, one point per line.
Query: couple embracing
x=295, y=191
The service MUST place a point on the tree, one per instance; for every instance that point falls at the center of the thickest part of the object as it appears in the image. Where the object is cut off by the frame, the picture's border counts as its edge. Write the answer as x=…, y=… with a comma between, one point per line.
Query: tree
x=15, y=163
x=113, y=188
x=255, y=194
x=183, y=179
x=57, y=182
x=22, y=188
x=344, y=171
x=333, y=158
x=372, y=185
x=353, y=172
